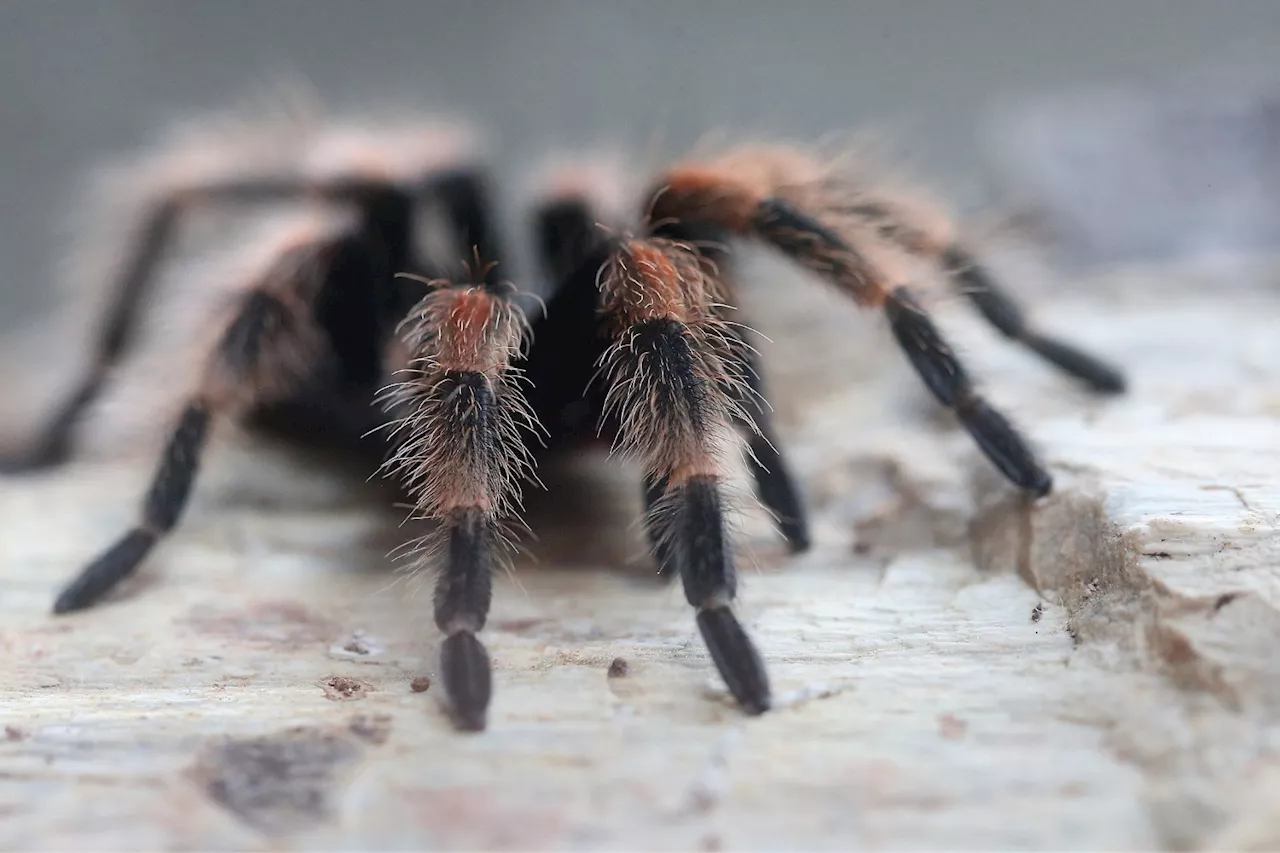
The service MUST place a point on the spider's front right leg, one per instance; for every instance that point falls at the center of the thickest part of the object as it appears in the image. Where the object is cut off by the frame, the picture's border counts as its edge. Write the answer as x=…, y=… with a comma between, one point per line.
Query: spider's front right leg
x=117, y=331
x=460, y=454
x=671, y=390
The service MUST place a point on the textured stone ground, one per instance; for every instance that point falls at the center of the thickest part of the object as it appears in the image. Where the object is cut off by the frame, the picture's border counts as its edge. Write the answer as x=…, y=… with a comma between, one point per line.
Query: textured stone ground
x=959, y=670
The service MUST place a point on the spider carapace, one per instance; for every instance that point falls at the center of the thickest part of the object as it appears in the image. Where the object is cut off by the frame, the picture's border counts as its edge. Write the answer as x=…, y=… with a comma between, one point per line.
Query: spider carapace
x=353, y=329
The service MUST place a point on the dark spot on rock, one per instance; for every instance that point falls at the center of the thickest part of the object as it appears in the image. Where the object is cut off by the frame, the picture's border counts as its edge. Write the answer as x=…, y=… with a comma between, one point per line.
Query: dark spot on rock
x=619, y=668
x=421, y=684
x=1225, y=599
x=14, y=733
x=1037, y=612
x=276, y=784
x=342, y=689
x=371, y=728
x=1159, y=555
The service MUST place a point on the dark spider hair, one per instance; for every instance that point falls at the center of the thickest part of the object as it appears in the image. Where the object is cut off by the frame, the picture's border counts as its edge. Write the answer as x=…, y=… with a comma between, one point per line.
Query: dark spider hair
x=353, y=330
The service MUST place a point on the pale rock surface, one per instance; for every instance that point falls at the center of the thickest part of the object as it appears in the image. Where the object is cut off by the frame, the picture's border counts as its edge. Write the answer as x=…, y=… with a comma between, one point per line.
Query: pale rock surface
x=955, y=669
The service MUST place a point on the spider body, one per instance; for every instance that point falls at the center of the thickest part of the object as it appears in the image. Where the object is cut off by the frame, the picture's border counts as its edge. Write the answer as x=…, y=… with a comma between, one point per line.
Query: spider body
x=354, y=331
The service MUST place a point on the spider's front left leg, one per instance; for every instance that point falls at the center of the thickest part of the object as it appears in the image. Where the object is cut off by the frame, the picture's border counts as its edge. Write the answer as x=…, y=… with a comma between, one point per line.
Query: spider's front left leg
x=669, y=387
x=459, y=452
x=262, y=353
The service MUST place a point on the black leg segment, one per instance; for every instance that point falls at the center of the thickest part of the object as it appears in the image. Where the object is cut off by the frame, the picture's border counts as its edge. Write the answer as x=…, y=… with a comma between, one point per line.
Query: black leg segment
x=698, y=544
x=162, y=507
x=463, y=594
x=464, y=194
x=947, y=379
x=775, y=486
x=1000, y=310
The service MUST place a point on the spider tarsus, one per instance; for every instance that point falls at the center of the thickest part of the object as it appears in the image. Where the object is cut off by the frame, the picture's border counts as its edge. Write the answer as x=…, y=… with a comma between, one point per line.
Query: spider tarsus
x=1000, y=310
x=991, y=301
x=700, y=547
x=53, y=443
x=778, y=491
x=163, y=505
x=947, y=379
x=736, y=658
x=925, y=347
x=43, y=455
x=1003, y=446
x=468, y=680
x=1094, y=372
x=114, y=565
x=775, y=486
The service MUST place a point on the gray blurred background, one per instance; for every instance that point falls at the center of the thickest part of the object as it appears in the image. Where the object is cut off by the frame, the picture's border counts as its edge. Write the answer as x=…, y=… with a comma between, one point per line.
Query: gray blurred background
x=82, y=80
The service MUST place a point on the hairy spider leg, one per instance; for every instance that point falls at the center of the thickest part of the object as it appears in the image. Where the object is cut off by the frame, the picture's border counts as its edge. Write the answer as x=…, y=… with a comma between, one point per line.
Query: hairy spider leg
x=748, y=210
x=387, y=208
x=669, y=377
x=459, y=452
x=264, y=353
x=775, y=485
x=993, y=302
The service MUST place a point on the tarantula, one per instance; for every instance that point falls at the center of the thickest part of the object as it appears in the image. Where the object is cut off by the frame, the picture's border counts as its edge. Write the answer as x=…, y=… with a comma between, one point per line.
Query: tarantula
x=355, y=329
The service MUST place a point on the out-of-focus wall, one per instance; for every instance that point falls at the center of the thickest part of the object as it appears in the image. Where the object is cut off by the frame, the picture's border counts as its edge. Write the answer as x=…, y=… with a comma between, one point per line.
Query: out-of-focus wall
x=80, y=80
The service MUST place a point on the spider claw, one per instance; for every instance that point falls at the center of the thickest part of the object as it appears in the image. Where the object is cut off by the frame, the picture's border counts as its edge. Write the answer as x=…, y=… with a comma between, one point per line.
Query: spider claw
x=468, y=680
x=736, y=658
